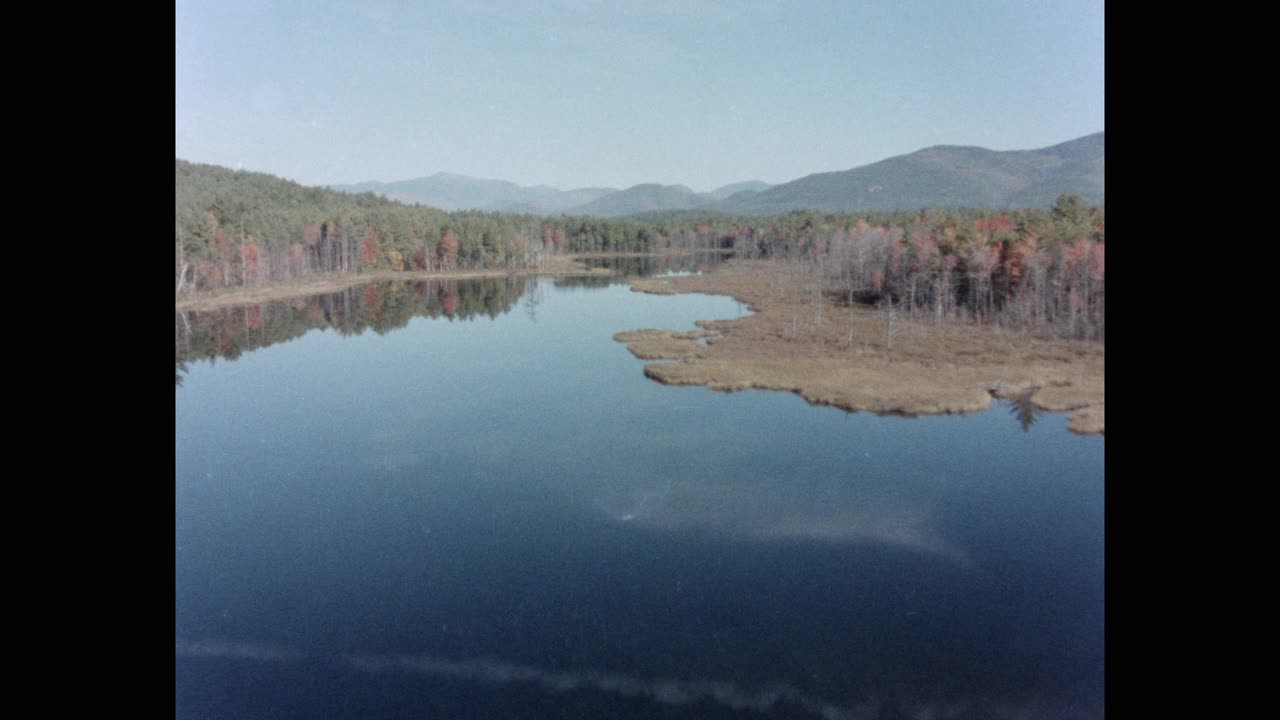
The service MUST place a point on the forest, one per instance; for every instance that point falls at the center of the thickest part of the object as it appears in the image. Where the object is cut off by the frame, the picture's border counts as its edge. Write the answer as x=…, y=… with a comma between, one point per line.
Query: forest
x=1037, y=269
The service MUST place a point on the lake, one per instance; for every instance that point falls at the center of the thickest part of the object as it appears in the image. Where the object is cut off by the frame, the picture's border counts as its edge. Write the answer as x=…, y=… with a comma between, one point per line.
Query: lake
x=464, y=500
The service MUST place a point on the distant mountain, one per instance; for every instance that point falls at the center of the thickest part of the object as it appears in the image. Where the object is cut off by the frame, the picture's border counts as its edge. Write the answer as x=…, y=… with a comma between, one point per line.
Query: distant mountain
x=1083, y=171
x=648, y=197
x=944, y=176
x=721, y=193
x=651, y=197
x=948, y=176
x=560, y=202
x=449, y=191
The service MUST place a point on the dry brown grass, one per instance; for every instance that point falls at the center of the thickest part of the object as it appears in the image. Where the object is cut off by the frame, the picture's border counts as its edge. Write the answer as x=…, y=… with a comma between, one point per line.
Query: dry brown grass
x=809, y=343
x=662, y=344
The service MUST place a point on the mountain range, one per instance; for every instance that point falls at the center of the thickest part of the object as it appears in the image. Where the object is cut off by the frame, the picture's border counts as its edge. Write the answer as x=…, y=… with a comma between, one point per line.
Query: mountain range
x=944, y=176
x=448, y=191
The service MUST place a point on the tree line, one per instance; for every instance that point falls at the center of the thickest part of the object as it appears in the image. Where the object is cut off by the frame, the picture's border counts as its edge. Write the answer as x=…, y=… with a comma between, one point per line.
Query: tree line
x=1040, y=269
x=1033, y=270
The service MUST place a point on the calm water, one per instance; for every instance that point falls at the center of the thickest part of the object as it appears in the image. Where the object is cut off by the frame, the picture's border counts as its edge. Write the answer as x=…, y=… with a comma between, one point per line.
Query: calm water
x=464, y=500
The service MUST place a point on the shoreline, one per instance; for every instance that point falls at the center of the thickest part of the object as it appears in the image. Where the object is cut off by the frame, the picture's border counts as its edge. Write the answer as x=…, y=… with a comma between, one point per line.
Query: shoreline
x=666, y=252
x=557, y=266
x=857, y=359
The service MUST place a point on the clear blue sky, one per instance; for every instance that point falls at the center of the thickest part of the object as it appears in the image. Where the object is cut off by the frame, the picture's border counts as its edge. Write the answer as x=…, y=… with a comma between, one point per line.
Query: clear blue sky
x=578, y=93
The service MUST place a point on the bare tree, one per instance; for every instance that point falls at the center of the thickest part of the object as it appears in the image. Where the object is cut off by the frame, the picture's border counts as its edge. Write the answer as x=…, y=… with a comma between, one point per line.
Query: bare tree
x=886, y=304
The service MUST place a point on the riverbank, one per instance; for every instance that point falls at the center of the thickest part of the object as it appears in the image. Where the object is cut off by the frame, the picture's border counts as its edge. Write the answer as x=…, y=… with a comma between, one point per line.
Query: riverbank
x=556, y=266
x=804, y=341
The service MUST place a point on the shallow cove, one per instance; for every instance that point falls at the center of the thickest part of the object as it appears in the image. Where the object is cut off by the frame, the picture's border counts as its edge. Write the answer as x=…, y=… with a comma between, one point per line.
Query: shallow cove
x=502, y=517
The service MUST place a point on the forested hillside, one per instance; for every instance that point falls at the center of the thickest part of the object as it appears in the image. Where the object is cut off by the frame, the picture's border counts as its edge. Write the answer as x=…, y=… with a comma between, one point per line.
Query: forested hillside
x=236, y=228
x=945, y=176
x=1038, y=269
x=241, y=228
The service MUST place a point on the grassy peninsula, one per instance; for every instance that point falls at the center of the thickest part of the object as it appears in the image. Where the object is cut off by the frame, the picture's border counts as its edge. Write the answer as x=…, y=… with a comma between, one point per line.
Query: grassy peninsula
x=860, y=357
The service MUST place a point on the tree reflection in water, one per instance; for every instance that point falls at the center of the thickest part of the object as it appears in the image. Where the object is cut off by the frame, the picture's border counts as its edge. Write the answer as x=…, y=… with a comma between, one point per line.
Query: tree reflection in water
x=228, y=332
x=1020, y=406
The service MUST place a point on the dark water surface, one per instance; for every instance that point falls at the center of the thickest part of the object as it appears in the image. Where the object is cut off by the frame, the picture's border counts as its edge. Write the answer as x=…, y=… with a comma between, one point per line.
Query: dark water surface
x=464, y=500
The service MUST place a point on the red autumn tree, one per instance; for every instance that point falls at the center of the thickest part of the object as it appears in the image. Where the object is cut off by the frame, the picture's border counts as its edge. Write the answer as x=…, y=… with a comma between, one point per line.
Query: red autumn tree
x=311, y=234
x=368, y=253
x=994, y=229
x=448, y=249
x=370, y=248
x=249, y=258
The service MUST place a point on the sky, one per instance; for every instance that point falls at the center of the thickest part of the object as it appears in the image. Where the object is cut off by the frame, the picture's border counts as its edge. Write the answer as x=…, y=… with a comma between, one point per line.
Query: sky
x=596, y=93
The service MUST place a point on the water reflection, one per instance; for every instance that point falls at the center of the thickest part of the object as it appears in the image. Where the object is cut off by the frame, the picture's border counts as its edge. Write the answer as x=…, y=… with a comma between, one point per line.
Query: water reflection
x=699, y=695
x=532, y=299
x=547, y=533
x=1021, y=407
x=646, y=266
x=767, y=509
x=226, y=333
x=636, y=503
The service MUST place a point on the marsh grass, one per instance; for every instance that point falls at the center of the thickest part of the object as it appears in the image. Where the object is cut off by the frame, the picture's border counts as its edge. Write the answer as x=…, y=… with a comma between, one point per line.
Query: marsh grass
x=858, y=357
